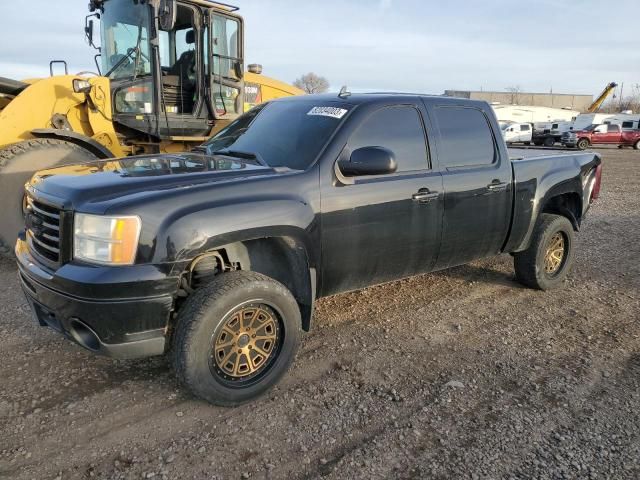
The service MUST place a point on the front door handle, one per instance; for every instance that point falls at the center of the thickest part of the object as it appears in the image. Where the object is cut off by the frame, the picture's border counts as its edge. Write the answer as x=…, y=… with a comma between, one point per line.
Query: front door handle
x=424, y=196
x=497, y=187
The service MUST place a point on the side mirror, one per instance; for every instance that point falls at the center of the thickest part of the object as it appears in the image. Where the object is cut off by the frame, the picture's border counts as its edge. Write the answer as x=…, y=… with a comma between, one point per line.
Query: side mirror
x=88, y=29
x=369, y=161
x=167, y=14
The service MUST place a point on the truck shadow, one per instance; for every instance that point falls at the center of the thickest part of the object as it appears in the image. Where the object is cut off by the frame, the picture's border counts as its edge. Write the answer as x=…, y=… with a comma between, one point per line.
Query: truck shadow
x=482, y=273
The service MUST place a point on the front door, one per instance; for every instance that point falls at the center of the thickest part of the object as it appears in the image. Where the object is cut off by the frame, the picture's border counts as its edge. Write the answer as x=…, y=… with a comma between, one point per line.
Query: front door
x=382, y=227
x=477, y=186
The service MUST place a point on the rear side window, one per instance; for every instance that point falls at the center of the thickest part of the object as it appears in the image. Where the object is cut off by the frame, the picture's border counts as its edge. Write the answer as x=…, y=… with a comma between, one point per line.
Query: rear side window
x=627, y=124
x=466, y=137
x=613, y=128
x=398, y=129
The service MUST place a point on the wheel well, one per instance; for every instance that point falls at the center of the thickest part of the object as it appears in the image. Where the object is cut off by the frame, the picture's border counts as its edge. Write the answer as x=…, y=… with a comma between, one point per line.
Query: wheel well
x=78, y=139
x=282, y=258
x=568, y=205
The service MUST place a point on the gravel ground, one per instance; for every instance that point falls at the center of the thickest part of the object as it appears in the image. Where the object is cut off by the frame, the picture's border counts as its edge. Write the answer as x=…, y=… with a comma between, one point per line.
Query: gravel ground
x=457, y=374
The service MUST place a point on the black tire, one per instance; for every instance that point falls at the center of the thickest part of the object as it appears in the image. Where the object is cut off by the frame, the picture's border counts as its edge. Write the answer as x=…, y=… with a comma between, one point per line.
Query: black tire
x=636, y=145
x=527, y=143
x=18, y=162
x=583, y=144
x=201, y=320
x=538, y=143
x=530, y=264
x=549, y=142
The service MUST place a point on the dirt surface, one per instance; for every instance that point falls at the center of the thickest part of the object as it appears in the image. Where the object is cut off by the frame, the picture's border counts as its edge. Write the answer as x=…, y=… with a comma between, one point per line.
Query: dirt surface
x=457, y=374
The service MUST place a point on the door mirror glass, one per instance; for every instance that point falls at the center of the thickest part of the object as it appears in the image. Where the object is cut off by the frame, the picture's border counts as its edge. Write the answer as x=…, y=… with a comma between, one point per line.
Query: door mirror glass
x=167, y=14
x=369, y=161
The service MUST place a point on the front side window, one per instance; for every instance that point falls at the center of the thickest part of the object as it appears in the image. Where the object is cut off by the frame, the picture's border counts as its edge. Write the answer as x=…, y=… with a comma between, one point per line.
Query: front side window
x=525, y=128
x=125, y=39
x=398, y=129
x=466, y=138
x=282, y=133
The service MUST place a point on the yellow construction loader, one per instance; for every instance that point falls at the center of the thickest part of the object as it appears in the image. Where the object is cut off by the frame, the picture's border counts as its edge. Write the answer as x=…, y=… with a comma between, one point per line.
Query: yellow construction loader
x=169, y=74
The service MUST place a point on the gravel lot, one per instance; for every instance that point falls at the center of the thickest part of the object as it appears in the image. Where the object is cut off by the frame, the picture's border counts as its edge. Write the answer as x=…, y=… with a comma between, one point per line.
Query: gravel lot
x=457, y=374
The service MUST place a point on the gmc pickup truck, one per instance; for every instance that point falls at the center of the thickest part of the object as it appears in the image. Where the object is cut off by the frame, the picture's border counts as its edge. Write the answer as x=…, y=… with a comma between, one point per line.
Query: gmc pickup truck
x=606, y=134
x=217, y=256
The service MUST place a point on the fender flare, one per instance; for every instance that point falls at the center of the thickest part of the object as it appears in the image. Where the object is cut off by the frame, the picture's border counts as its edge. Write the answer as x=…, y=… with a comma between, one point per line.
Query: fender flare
x=83, y=141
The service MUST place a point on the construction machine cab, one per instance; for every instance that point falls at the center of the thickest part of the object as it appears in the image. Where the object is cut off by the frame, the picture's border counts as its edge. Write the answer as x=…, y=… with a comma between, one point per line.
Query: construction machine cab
x=177, y=78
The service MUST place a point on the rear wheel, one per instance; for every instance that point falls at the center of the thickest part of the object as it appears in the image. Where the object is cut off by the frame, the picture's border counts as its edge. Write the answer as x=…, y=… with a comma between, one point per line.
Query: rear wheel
x=527, y=143
x=236, y=337
x=18, y=162
x=549, y=142
x=548, y=260
x=637, y=145
x=582, y=144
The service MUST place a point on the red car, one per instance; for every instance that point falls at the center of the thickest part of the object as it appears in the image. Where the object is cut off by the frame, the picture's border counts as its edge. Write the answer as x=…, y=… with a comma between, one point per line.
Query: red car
x=602, y=135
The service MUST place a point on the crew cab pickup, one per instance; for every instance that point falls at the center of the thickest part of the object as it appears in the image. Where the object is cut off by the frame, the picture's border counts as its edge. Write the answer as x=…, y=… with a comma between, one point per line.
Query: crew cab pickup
x=217, y=256
x=606, y=134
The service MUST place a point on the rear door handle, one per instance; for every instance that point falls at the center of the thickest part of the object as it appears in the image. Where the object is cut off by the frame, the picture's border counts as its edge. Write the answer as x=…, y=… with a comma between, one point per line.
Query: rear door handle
x=497, y=187
x=424, y=196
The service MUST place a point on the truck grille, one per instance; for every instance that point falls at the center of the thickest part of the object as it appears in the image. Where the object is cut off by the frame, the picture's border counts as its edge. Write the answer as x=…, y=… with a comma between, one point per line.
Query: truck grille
x=44, y=224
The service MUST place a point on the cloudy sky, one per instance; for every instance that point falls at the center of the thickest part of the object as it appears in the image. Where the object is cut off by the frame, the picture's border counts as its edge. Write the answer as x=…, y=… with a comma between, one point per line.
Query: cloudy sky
x=574, y=46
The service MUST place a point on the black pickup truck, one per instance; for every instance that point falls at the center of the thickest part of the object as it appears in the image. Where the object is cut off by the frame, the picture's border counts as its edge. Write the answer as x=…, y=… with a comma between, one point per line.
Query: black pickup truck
x=216, y=256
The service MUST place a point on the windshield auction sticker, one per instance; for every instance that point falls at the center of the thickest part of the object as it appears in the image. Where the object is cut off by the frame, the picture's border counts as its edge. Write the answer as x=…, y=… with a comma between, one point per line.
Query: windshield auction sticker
x=333, y=112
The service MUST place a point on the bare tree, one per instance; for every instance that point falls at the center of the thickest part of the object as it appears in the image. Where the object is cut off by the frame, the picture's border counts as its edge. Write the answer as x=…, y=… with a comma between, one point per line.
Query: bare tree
x=312, y=83
x=515, y=94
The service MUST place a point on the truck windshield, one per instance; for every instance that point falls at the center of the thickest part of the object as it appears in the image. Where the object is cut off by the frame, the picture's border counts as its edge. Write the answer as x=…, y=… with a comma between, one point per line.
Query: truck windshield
x=283, y=133
x=125, y=38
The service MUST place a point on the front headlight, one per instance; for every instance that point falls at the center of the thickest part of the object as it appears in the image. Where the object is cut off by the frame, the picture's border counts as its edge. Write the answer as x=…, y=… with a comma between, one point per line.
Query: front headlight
x=111, y=240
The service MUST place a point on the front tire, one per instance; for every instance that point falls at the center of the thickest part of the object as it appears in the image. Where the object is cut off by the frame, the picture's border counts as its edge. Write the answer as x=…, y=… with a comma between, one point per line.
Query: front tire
x=548, y=260
x=582, y=144
x=236, y=337
x=18, y=162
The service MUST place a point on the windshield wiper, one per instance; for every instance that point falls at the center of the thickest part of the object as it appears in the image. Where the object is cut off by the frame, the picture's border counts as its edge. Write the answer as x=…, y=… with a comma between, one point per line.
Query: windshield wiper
x=242, y=154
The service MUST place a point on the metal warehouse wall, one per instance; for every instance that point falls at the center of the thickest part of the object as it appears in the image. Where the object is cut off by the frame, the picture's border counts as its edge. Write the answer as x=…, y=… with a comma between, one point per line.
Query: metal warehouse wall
x=555, y=100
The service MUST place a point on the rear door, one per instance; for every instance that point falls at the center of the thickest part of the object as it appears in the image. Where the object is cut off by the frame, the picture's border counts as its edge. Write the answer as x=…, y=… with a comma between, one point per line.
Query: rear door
x=382, y=227
x=613, y=135
x=476, y=177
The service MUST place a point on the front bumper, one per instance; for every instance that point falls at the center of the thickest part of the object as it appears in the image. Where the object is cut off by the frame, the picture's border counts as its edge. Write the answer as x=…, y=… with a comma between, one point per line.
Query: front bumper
x=109, y=322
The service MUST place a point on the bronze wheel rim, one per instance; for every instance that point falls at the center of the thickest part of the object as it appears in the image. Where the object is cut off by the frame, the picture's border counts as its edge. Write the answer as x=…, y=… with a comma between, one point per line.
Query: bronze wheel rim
x=247, y=343
x=554, y=255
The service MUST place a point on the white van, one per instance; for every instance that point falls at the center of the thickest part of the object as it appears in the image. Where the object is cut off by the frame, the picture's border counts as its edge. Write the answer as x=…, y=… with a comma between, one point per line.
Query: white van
x=517, y=133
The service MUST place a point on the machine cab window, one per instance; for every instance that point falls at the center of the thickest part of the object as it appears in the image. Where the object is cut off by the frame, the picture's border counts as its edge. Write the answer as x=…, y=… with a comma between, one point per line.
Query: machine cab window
x=178, y=63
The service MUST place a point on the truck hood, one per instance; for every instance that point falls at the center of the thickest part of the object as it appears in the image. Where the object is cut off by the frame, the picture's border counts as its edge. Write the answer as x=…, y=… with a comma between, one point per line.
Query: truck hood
x=95, y=186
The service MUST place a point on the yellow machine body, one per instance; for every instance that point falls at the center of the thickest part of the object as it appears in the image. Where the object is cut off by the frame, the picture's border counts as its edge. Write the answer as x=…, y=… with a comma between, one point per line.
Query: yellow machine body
x=52, y=103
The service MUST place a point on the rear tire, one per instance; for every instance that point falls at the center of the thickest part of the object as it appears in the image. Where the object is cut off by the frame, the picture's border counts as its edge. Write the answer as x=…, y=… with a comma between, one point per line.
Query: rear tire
x=549, y=142
x=636, y=145
x=548, y=260
x=219, y=355
x=582, y=144
x=18, y=162
x=527, y=143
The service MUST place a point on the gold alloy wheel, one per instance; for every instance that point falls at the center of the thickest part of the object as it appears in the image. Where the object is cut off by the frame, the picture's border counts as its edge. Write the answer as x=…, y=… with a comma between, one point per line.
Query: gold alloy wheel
x=246, y=342
x=554, y=254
